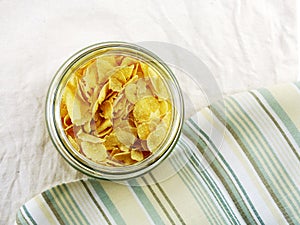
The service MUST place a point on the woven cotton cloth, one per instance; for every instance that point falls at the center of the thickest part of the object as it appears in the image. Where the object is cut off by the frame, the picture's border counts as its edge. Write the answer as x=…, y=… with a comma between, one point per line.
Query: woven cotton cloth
x=237, y=162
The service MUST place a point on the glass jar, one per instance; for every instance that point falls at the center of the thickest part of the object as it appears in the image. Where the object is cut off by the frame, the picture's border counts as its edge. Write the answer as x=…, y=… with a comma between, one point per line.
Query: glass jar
x=55, y=127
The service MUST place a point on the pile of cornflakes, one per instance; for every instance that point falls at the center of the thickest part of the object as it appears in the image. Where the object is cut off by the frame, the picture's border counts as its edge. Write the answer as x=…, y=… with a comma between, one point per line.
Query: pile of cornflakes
x=116, y=110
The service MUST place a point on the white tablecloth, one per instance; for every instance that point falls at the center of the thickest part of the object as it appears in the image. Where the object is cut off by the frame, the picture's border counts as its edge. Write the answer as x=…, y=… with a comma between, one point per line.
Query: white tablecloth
x=246, y=44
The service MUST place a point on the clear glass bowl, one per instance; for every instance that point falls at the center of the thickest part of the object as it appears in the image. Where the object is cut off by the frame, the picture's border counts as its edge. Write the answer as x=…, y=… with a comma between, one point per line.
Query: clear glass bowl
x=54, y=123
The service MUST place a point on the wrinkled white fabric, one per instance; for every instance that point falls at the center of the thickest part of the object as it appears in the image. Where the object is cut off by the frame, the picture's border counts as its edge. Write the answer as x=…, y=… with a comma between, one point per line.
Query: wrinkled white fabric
x=246, y=44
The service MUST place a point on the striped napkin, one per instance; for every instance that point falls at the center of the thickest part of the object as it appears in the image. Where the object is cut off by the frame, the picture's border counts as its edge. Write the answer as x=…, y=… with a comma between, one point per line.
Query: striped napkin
x=237, y=162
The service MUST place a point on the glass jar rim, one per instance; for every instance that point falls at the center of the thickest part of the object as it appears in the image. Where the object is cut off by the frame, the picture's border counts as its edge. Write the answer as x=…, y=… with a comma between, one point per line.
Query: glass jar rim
x=87, y=166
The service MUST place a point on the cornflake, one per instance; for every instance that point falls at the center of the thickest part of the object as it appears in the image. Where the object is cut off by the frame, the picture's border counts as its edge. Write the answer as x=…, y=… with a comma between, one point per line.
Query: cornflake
x=116, y=110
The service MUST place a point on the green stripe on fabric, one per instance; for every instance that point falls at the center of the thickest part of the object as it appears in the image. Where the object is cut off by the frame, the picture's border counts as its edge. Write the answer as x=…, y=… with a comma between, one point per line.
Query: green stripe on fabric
x=59, y=200
x=79, y=213
x=43, y=206
x=145, y=202
x=28, y=215
x=214, y=189
x=95, y=202
x=167, y=199
x=212, y=186
x=281, y=114
x=158, y=201
x=231, y=217
x=276, y=124
x=200, y=198
x=278, y=168
x=21, y=219
x=248, y=148
x=107, y=201
x=244, y=145
x=54, y=208
x=227, y=182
